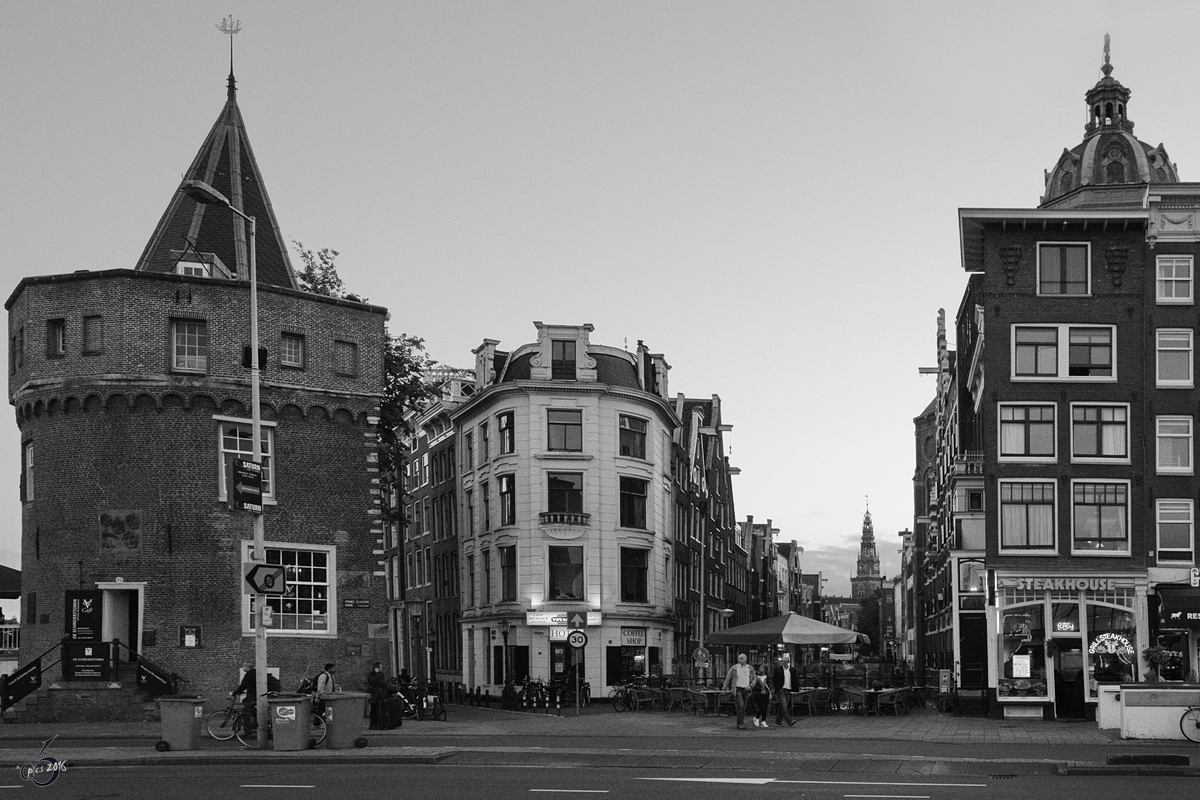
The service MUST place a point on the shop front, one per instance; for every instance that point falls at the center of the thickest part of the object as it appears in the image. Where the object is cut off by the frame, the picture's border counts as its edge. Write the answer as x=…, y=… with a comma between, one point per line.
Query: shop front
x=1177, y=632
x=1055, y=640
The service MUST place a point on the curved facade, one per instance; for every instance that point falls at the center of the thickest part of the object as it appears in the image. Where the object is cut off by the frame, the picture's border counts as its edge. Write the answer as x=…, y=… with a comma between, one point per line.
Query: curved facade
x=565, y=503
x=126, y=448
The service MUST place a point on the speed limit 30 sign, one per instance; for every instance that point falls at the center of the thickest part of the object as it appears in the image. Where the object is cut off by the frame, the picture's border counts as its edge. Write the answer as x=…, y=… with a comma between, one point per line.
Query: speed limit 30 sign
x=577, y=639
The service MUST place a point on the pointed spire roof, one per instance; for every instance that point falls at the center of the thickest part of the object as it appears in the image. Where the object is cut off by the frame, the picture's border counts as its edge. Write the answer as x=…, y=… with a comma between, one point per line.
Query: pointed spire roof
x=226, y=162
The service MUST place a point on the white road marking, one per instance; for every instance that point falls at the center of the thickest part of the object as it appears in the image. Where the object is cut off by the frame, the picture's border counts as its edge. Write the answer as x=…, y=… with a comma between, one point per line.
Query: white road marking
x=573, y=791
x=277, y=786
x=750, y=781
x=893, y=783
x=762, y=781
x=906, y=796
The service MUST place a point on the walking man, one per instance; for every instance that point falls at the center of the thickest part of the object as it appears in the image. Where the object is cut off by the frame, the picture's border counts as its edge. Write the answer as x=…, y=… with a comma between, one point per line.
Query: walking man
x=785, y=681
x=738, y=679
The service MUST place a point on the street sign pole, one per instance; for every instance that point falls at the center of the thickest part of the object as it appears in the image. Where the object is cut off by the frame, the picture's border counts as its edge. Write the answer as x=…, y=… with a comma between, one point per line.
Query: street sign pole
x=205, y=194
x=260, y=543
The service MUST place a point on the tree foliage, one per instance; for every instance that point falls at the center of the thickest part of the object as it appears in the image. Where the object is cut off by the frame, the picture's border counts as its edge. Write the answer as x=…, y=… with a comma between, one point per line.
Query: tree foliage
x=319, y=275
x=405, y=362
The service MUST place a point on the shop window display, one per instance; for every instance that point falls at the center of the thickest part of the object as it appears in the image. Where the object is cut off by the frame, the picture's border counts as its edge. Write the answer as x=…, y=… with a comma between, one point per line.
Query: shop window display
x=1023, y=652
x=1112, y=646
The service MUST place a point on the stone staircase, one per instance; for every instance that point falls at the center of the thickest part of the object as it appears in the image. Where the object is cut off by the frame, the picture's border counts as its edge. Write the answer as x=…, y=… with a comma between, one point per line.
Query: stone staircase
x=86, y=701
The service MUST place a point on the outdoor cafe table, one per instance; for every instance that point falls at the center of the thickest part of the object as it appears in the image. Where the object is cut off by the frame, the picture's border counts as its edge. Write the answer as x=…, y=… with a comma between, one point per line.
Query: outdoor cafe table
x=712, y=698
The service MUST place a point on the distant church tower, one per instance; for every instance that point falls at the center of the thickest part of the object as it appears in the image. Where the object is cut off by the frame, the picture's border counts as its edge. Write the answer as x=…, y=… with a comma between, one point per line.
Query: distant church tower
x=868, y=579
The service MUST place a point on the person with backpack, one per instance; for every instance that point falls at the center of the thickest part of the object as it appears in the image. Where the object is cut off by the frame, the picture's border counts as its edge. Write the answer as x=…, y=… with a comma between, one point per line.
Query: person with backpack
x=324, y=685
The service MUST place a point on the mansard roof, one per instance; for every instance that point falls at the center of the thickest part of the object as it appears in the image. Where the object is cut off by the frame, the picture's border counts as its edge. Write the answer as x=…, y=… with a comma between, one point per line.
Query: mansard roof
x=225, y=162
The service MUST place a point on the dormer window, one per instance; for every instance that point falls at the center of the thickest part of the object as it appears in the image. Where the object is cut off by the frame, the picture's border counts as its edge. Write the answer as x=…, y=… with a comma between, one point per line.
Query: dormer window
x=199, y=265
x=193, y=268
x=562, y=359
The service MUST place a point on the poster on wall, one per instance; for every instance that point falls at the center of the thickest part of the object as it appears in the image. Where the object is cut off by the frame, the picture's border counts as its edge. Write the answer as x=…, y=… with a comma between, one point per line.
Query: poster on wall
x=83, y=615
x=1022, y=666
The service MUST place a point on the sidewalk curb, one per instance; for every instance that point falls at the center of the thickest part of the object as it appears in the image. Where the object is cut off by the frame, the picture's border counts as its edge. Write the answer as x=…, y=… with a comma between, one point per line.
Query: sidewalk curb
x=1144, y=772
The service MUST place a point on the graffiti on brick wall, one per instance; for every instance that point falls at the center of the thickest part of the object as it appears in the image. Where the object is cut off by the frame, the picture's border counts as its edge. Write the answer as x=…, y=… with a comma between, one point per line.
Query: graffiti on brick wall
x=121, y=531
x=354, y=579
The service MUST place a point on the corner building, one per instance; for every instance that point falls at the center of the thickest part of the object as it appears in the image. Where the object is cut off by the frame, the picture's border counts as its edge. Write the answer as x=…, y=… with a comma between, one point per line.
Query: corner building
x=1076, y=357
x=132, y=401
x=566, y=496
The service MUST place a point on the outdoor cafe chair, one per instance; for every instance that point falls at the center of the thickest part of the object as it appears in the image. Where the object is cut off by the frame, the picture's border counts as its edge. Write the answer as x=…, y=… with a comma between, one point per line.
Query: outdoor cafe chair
x=856, y=699
x=678, y=698
x=825, y=700
x=803, y=701
x=893, y=700
x=699, y=702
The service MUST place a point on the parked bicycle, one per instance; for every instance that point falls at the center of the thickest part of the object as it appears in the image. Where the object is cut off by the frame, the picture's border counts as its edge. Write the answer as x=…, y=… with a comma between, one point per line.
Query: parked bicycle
x=622, y=697
x=563, y=691
x=1189, y=724
x=432, y=706
x=245, y=726
x=533, y=695
x=221, y=724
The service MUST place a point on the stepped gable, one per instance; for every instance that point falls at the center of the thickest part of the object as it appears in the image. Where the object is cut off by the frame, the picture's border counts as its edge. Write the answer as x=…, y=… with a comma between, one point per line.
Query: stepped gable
x=226, y=162
x=1109, y=155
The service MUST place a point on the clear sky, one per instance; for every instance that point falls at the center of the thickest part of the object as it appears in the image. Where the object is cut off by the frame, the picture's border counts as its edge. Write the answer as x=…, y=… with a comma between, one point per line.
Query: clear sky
x=765, y=192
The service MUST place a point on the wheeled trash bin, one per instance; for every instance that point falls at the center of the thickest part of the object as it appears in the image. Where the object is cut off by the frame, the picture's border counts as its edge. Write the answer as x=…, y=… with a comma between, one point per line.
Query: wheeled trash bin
x=181, y=719
x=344, y=719
x=291, y=720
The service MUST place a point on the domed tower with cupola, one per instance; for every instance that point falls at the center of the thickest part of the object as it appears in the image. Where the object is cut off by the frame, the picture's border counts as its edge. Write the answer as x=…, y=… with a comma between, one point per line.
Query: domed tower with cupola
x=1110, y=157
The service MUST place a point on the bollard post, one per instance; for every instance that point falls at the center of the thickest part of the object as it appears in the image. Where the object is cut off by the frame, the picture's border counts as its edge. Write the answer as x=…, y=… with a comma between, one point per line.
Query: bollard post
x=558, y=704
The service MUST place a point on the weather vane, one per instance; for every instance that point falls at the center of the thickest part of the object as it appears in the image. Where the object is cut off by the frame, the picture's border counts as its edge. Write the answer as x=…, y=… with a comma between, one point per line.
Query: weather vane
x=230, y=26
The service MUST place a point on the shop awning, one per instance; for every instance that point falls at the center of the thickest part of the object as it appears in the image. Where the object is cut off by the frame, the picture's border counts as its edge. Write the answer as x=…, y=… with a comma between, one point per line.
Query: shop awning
x=1178, y=607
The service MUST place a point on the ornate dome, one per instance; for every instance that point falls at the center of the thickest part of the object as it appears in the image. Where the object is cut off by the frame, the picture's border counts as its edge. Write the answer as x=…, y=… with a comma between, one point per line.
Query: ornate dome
x=1109, y=154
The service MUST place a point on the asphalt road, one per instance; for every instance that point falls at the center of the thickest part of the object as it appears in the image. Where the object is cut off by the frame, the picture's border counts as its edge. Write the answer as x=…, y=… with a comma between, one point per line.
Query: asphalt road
x=371, y=782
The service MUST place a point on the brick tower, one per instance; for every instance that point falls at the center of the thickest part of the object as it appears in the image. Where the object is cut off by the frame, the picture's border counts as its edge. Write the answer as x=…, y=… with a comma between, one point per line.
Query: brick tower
x=132, y=401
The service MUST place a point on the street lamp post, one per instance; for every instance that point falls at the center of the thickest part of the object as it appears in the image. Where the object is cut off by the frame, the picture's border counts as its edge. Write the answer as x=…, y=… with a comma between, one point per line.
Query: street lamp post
x=201, y=192
x=505, y=626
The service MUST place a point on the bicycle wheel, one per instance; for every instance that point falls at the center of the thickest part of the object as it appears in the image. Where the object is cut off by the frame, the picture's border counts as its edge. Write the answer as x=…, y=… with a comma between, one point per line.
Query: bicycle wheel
x=316, y=731
x=220, y=724
x=410, y=710
x=617, y=697
x=1189, y=723
x=245, y=728
x=438, y=710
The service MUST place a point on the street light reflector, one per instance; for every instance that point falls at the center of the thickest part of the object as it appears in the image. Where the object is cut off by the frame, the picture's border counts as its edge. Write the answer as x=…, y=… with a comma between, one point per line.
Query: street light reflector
x=201, y=192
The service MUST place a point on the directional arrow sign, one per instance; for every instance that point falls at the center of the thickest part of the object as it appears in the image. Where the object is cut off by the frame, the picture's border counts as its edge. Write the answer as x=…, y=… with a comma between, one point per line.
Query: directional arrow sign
x=247, y=485
x=266, y=578
x=576, y=621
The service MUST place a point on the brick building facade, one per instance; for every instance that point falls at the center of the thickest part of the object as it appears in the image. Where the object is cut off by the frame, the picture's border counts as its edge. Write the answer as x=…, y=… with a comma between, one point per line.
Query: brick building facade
x=132, y=400
x=1067, y=426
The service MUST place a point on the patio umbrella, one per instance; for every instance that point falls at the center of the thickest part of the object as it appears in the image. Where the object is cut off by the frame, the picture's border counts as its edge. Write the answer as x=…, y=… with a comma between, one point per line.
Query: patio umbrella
x=791, y=628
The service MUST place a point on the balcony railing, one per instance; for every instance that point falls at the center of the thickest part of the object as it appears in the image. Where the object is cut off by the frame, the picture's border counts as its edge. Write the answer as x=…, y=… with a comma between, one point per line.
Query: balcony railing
x=564, y=518
x=10, y=637
x=969, y=463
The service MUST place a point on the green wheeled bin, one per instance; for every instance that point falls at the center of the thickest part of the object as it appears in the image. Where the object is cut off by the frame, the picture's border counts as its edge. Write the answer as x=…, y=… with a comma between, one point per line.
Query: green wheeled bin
x=291, y=720
x=181, y=720
x=345, y=718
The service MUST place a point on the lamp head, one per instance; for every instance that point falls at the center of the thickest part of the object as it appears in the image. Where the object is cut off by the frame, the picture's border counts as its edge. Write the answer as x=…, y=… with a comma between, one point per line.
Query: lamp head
x=202, y=193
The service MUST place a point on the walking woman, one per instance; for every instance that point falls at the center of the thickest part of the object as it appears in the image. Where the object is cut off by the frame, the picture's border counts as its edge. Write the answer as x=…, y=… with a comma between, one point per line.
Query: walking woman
x=760, y=694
